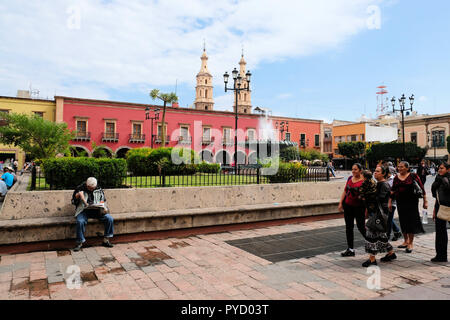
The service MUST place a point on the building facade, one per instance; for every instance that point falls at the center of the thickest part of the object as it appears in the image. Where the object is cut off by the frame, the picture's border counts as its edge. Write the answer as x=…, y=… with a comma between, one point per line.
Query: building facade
x=429, y=132
x=40, y=107
x=364, y=132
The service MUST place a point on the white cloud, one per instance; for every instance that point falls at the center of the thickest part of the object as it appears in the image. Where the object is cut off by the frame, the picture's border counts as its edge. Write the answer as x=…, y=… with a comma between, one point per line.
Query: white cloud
x=224, y=102
x=284, y=96
x=125, y=45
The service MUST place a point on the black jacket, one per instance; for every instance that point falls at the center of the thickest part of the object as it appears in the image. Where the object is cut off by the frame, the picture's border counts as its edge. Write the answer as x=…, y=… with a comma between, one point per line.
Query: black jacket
x=441, y=185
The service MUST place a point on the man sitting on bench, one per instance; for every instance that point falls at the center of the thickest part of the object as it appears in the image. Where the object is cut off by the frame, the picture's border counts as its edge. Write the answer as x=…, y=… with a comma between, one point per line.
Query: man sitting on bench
x=90, y=202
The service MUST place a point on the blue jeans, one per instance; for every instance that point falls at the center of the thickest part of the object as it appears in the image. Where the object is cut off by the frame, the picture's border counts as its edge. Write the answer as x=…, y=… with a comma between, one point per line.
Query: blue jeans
x=82, y=220
x=391, y=223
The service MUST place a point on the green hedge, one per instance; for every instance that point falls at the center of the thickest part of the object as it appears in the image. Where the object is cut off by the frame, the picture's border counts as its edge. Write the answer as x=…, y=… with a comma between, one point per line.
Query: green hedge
x=206, y=167
x=288, y=172
x=144, y=161
x=67, y=173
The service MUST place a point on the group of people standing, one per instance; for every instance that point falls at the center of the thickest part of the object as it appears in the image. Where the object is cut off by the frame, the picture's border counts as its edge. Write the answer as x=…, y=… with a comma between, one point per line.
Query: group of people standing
x=376, y=197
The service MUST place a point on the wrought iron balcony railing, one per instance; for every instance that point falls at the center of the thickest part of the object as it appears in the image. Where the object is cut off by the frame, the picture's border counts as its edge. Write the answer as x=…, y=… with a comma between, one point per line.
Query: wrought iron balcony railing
x=82, y=136
x=110, y=137
x=137, y=138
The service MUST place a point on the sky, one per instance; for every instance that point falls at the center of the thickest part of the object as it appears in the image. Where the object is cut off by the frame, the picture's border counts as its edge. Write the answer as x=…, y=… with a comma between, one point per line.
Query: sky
x=314, y=59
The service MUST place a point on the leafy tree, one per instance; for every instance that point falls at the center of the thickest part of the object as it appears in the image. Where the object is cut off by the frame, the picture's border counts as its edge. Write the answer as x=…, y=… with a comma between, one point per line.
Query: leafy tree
x=394, y=150
x=290, y=153
x=166, y=98
x=100, y=151
x=41, y=138
x=352, y=150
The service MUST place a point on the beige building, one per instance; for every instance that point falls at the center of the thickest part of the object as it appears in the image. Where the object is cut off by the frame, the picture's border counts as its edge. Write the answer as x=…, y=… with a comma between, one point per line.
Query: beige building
x=429, y=131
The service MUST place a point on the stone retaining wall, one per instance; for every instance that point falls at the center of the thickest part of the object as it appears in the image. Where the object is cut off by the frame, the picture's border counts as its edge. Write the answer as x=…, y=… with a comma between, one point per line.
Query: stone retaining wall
x=40, y=204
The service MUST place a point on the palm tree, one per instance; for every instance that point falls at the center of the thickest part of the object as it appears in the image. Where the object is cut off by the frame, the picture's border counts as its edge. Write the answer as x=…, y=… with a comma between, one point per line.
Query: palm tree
x=165, y=97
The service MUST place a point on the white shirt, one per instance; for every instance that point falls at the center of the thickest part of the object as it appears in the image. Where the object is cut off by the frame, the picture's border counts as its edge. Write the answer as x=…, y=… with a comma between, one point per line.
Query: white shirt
x=3, y=188
x=390, y=180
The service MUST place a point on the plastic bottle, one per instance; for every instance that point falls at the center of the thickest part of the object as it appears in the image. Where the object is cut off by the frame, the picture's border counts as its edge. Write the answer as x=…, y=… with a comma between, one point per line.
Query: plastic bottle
x=424, y=216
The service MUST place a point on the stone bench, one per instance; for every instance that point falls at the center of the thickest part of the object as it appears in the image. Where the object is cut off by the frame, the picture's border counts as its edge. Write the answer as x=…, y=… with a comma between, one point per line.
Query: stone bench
x=52, y=217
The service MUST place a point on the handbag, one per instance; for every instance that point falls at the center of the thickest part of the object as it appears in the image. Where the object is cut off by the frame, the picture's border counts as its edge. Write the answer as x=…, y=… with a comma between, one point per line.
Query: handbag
x=378, y=220
x=444, y=211
x=417, y=190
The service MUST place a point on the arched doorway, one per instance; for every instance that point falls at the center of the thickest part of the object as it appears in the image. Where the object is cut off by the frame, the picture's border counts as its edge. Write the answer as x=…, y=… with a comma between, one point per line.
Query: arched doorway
x=241, y=157
x=122, y=152
x=207, y=156
x=79, y=151
x=223, y=158
x=253, y=158
x=102, y=152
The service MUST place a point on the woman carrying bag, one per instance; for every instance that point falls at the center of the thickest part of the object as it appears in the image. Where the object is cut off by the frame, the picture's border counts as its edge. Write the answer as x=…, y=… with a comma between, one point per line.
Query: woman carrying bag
x=377, y=240
x=353, y=208
x=407, y=189
x=441, y=212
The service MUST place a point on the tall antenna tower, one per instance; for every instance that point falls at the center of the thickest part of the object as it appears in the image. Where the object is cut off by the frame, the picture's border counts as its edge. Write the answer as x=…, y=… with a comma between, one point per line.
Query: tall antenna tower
x=382, y=101
x=34, y=93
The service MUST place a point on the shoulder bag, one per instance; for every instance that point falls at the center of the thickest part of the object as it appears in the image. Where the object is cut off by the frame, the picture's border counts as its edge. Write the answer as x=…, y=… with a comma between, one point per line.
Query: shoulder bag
x=378, y=220
x=417, y=190
x=444, y=211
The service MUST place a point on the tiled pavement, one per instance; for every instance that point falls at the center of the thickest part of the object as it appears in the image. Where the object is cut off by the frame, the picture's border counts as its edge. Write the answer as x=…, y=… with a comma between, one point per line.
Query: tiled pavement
x=207, y=267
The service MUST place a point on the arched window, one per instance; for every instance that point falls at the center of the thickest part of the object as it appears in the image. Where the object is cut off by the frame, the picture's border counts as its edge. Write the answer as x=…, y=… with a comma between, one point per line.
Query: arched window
x=206, y=93
x=206, y=81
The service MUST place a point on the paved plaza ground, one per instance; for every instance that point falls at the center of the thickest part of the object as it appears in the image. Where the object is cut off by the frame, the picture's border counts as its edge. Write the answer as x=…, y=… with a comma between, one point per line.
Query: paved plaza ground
x=299, y=261
x=207, y=267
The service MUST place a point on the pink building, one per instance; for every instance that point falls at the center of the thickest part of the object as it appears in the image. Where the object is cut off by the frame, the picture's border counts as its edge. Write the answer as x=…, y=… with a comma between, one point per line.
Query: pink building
x=120, y=127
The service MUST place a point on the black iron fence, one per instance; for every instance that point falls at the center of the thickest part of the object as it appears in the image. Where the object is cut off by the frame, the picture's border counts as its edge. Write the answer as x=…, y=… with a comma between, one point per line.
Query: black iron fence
x=243, y=175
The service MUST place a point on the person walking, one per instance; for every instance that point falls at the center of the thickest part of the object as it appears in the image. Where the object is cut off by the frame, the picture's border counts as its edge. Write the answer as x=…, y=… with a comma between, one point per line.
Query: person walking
x=441, y=189
x=391, y=225
x=408, y=204
x=353, y=208
x=423, y=171
x=376, y=198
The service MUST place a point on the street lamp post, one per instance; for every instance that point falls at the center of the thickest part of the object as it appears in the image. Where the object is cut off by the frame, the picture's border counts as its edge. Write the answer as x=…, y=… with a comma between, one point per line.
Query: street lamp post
x=434, y=146
x=284, y=126
x=237, y=89
x=155, y=117
x=402, y=109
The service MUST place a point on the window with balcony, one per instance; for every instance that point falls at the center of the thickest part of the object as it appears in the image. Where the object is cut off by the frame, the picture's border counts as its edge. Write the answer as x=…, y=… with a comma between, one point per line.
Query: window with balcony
x=438, y=138
x=414, y=137
x=110, y=129
x=227, y=136
x=3, y=121
x=136, y=133
x=81, y=131
x=288, y=136
x=206, y=137
x=184, y=135
x=110, y=134
x=251, y=135
x=302, y=140
x=159, y=134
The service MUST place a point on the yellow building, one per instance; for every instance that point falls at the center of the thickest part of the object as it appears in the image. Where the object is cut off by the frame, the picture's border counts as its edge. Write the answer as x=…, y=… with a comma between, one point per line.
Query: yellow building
x=43, y=108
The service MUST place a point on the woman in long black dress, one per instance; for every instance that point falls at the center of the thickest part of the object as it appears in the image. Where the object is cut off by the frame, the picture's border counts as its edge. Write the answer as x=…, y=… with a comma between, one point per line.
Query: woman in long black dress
x=408, y=204
x=377, y=241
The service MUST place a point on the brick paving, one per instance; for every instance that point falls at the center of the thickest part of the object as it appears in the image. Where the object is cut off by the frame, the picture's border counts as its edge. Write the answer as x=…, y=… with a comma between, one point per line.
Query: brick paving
x=208, y=267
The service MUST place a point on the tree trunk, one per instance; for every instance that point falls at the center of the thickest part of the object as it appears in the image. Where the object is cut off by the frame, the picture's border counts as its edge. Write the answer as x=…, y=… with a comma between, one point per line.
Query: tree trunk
x=163, y=138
